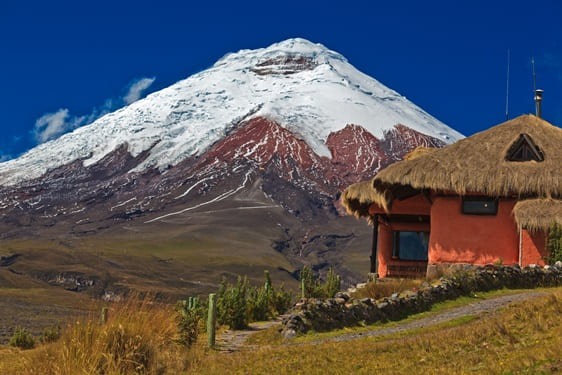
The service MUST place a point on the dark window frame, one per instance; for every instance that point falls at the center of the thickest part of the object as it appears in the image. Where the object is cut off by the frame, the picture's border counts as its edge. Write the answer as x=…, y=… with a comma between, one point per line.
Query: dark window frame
x=484, y=200
x=396, y=245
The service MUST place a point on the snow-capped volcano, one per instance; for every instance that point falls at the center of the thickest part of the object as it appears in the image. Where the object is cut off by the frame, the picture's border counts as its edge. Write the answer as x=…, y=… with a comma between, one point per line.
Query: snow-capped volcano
x=246, y=157
x=304, y=87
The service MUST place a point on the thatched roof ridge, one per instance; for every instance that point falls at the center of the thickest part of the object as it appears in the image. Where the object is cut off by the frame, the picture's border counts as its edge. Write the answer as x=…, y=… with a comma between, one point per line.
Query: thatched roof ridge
x=478, y=164
x=538, y=214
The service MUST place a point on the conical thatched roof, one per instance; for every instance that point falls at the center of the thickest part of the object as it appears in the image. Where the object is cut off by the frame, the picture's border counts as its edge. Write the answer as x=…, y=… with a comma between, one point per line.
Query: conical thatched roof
x=475, y=164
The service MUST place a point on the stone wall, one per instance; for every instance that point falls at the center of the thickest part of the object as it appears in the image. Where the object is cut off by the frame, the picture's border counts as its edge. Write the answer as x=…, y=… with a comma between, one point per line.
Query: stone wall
x=343, y=311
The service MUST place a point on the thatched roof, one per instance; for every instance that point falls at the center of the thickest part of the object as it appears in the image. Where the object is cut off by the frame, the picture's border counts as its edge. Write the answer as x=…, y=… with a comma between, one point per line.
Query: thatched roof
x=538, y=214
x=475, y=164
x=358, y=197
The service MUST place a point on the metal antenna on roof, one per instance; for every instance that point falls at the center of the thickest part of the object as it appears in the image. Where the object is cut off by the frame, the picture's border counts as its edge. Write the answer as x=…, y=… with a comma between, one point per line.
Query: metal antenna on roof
x=534, y=74
x=507, y=90
x=538, y=92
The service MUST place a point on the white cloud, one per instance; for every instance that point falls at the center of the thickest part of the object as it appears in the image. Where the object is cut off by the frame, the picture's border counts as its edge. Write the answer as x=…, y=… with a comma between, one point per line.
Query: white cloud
x=52, y=125
x=136, y=88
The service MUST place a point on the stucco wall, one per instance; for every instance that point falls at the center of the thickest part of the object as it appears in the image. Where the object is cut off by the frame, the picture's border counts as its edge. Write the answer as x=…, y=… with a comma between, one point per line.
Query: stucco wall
x=476, y=239
x=533, y=246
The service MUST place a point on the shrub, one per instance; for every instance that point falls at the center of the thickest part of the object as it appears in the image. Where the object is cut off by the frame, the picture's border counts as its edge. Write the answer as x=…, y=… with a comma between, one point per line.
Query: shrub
x=189, y=320
x=260, y=303
x=312, y=287
x=232, y=304
x=50, y=334
x=22, y=339
x=240, y=304
x=332, y=284
x=282, y=300
x=554, y=244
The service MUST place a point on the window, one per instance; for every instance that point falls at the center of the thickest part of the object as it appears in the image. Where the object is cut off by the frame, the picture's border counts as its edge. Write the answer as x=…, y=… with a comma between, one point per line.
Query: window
x=410, y=245
x=524, y=149
x=479, y=206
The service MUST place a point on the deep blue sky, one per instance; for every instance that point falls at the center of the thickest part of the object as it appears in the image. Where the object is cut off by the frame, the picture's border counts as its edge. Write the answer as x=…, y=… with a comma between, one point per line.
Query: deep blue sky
x=448, y=57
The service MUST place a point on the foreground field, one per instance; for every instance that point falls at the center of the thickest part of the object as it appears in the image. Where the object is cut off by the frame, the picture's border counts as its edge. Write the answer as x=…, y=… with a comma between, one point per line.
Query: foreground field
x=523, y=338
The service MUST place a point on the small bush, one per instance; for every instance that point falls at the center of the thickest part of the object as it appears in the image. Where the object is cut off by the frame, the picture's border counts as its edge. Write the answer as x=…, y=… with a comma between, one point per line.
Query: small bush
x=313, y=288
x=50, y=334
x=240, y=304
x=189, y=320
x=282, y=300
x=232, y=304
x=22, y=339
x=554, y=244
x=332, y=284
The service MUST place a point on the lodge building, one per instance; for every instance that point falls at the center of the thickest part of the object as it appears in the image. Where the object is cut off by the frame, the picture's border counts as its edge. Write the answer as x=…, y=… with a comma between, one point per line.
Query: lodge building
x=484, y=199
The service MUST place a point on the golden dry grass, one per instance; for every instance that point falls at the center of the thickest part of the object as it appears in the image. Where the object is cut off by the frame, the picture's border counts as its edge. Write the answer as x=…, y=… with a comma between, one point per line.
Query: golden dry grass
x=138, y=337
x=386, y=287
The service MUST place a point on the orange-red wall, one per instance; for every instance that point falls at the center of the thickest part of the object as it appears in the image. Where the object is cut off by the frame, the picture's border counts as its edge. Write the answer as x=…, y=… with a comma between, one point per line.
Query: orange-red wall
x=476, y=239
x=459, y=238
x=533, y=248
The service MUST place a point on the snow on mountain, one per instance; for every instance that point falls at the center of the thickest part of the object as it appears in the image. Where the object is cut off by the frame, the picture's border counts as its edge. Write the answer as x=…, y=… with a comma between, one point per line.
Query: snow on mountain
x=305, y=87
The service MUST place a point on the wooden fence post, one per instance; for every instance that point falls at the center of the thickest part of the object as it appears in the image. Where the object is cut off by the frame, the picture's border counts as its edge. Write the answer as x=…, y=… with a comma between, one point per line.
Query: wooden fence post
x=103, y=317
x=211, y=321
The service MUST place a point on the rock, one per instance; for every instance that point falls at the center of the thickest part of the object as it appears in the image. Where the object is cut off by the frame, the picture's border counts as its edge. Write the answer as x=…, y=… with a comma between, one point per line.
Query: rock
x=343, y=295
x=289, y=333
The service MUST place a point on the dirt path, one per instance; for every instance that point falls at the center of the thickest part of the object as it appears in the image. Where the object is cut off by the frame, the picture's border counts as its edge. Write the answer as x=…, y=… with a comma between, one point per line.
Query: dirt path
x=233, y=341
